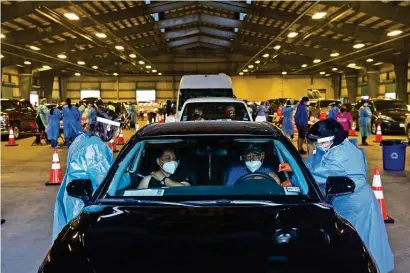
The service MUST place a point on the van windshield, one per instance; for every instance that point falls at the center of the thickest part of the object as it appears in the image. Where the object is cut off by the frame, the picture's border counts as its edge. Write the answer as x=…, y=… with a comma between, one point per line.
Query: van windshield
x=7, y=105
x=185, y=94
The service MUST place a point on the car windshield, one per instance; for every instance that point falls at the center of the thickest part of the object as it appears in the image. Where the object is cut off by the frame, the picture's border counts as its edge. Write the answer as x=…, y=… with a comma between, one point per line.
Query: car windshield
x=215, y=111
x=191, y=167
x=325, y=103
x=185, y=94
x=7, y=105
x=390, y=104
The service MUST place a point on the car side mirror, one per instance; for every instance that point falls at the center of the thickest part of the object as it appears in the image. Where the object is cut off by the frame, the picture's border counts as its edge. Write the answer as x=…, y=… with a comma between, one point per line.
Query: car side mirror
x=81, y=189
x=336, y=185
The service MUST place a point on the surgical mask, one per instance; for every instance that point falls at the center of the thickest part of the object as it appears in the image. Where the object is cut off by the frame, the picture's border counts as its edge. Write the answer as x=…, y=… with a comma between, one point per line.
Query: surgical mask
x=170, y=167
x=324, y=147
x=365, y=104
x=308, y=103
x=253, y=166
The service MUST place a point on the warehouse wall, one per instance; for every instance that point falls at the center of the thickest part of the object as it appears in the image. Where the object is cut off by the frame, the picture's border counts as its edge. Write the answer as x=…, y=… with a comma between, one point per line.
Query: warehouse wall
x=10, y=83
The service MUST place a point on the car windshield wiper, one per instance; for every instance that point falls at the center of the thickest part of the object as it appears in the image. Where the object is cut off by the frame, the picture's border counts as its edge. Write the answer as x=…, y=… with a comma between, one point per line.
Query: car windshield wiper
x=144, y=202
x=233, y=202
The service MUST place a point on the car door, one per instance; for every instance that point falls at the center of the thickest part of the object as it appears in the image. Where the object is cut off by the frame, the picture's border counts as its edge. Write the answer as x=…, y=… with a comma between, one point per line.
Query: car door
x=28, y=115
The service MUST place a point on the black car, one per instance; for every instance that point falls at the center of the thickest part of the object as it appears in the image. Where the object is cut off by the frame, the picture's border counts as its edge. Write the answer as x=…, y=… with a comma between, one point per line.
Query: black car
x=254, y=225
x=391, y=114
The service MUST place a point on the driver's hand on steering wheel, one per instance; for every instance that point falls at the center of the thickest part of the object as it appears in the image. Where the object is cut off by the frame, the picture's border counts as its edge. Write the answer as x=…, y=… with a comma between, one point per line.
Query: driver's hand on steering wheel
x=285, y=167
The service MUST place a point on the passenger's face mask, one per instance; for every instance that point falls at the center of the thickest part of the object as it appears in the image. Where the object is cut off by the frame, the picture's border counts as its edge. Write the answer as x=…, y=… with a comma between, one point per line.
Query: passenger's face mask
x=170, y=167
x=253, y=166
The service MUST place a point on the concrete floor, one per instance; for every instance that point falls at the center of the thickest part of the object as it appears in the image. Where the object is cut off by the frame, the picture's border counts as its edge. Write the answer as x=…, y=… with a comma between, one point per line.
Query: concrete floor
x=27, y=205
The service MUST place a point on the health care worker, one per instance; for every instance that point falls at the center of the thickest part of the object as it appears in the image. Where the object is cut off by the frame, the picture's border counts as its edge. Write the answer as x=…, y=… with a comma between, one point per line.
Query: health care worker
x=89, y=157
x=287, y=123
x=334, y=110
x=337, y=156
x=70, y=122
x=365, y=116
x=53, y=127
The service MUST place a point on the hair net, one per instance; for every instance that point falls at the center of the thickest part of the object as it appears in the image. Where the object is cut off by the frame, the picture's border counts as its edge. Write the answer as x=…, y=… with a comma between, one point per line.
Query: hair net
x=106, y=125
x=327, y=128
x=305, y=99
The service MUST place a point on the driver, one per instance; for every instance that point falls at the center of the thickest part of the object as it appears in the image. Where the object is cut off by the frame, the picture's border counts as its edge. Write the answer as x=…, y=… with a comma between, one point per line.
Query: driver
x=253, y=158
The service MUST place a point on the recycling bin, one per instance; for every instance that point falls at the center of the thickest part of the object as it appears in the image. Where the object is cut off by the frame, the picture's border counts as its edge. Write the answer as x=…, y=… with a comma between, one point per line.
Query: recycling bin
x=394, y=154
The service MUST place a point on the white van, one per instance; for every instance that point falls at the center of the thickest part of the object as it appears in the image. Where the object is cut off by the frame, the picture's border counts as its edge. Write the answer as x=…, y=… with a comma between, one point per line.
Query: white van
x=199, y=86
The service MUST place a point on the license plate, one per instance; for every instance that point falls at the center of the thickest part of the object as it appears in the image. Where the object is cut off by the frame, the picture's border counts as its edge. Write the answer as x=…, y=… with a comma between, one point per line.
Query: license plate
x=401, y=125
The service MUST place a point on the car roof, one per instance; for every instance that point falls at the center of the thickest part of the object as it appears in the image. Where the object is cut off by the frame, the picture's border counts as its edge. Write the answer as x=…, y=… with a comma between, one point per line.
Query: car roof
x=213, y=99
x=209, y=128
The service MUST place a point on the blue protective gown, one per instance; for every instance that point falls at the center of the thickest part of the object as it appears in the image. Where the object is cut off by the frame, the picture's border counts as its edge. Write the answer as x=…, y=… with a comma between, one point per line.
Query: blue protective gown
x=88, y=158
x=287, y=124
x=42, y=111
x=70, y=122
x=365, y=115
x=53, y=128
x=360, y=208
x=92, y=116
x=333, y=113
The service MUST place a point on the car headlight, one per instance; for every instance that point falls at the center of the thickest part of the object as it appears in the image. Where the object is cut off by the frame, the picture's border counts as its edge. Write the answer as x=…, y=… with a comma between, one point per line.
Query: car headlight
x=5, y=119
x=386, y=118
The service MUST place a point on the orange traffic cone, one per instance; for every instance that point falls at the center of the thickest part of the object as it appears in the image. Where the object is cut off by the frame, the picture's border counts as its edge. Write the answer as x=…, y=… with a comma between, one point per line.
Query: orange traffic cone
x=120, y=139
x=379, y=136
x=112, y=146
x=352, y=132
x=56, y=176
x=12, y=141
x=378, y=192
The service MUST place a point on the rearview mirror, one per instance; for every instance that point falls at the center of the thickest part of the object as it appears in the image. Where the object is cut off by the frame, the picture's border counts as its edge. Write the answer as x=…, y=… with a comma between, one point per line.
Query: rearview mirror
x=81, y=189
x=339, y=185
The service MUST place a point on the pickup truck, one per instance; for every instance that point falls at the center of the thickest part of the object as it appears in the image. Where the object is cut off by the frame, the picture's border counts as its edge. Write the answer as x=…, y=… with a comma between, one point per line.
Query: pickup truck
x=18, y=114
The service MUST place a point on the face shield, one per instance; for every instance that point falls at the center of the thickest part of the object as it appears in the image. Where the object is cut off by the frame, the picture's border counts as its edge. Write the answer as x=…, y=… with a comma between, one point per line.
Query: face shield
x=106, y=125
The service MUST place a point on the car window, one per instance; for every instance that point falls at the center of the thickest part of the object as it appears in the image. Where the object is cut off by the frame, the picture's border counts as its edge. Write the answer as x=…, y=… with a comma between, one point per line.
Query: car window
x=185, y=94
x=7, y=105
x=208, y=166
x=390, y=104
x=215, y=111
x=325, y=103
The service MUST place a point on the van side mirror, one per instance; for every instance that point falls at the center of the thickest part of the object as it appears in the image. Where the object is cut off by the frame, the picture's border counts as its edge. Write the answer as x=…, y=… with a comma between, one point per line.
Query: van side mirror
x=336, y=185
x=81, y=189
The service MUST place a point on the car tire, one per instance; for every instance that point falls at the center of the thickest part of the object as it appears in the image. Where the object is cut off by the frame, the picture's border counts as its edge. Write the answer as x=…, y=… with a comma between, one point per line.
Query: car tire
x=16, y=130
x=374, y=128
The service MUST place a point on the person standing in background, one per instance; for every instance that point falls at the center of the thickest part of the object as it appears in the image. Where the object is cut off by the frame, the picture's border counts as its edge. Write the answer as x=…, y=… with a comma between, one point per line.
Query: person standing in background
x=334, y=110
x=132, y=112
x=92, y=116
x=81, y=107
x=171, y=116
x=70, y=121
x=262, y=113
x=254, y=108
x=344, y=118
x=365, y=115
x=53, y=127
x=301, y=121
x=287, y=122
x=110, y=106
x=42, y=116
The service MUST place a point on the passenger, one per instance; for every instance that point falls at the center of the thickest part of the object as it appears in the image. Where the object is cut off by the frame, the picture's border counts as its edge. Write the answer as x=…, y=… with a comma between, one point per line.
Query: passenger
x=53, y=127
x=342, y=158
x=165, y=175
x=230, y=113
x=253, y=158
x=262, y=113
x=132, y=112
x=89, y=157
x=70, y=122
x=334, y=110
x=344, y=118
x=287, y=123
x=301, y=121
x=42, y=116
x=197, y=115
x=365, y=116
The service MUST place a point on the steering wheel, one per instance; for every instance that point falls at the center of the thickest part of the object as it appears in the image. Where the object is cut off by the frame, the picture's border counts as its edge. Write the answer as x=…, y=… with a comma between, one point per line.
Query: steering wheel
x=250, y=175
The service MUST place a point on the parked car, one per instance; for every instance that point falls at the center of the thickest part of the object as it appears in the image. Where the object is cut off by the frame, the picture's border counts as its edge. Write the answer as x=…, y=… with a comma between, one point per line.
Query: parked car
x=216, y=109
x=407, y=126
x=390, y=113
x=18, y=114
x=97, y=101
x=255, y=225
x=321, y=106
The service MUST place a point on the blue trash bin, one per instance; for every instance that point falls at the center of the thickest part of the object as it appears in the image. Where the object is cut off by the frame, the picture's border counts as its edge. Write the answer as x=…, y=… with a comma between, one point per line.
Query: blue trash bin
x=394, y=154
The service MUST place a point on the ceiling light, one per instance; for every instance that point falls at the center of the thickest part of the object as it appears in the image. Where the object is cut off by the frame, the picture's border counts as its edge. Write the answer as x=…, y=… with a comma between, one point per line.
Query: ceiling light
x=77, y=74
x=394, y=33
x=266, y=55
x=101, y=35
x=322, y=73
x=334, y=54
x=2, y=36
x=241, y=73
x=292, y=34
x=95, y=67
x=318, y=15
x=34, y=48
x=19, y=65
x=284, y=73
x=369, y=60
x=304, y=65
x=115, y=74
x=276, y=47
x=245, y=70
x=357, y=46
x=316, y=61
x=27, y=62
x=250, y=66
x=119, y=47
x=81, y=62
x=154, y=71
x=257, y=61
x=159, y=73
x=132, y=55
x=46, y=67
x=62, y=56
x=334, y=68
x=148, y=66
x=351, y=65
x=379, y=63
x=71, y=16
x=141, y=62
x=327, y=75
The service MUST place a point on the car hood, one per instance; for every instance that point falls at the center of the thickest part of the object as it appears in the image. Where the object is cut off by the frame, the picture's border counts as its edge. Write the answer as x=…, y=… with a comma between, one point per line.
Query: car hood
x=399, y=114
x=293, y=238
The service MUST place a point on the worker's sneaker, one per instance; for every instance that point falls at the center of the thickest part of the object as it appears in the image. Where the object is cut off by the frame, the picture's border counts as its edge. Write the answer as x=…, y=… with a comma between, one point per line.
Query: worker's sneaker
x=365, y=144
